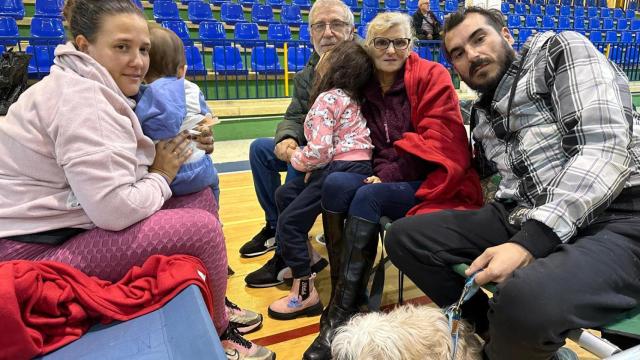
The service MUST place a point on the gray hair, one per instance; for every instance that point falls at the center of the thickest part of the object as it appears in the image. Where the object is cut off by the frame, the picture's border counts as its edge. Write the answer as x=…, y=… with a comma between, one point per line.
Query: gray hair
x=322, y=4
x=387, y=20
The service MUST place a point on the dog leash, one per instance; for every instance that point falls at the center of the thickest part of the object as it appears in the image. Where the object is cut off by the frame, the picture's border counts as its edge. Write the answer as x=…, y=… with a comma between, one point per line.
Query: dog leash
x=454, y=313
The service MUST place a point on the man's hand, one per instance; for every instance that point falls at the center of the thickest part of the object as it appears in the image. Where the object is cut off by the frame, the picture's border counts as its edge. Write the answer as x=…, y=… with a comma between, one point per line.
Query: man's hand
x=282, y=146
x=499, y=262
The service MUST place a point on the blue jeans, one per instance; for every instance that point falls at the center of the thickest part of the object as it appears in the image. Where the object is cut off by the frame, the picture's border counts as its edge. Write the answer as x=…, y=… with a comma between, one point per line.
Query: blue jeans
x=266, y=168
x=347, y=193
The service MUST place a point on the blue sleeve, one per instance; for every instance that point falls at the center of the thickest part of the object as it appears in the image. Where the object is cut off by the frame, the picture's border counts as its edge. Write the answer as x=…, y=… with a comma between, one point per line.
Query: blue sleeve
x=162, y=108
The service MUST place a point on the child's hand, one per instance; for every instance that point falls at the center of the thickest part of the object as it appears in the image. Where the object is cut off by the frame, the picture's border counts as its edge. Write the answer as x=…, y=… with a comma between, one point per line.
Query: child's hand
x=307, y=176
x=372, y=180
x=204, y=141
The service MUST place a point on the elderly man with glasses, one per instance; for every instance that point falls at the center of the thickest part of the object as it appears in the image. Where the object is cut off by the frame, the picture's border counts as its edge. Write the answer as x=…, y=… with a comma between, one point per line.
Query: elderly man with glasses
x=331, y=21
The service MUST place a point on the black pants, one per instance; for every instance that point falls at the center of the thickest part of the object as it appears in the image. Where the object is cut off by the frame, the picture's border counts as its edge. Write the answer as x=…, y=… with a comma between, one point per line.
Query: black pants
x=584, y=284
x=298, y=207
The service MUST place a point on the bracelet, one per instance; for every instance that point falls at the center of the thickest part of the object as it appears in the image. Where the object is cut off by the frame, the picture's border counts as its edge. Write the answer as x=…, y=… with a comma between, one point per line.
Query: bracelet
x=161, y=173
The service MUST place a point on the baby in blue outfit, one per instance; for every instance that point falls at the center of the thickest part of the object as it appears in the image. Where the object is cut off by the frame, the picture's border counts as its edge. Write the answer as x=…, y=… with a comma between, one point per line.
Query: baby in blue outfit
x=169, y=104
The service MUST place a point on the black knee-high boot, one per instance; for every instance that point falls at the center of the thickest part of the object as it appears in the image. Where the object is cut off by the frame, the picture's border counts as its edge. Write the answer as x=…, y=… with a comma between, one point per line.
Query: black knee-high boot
x=333, y=226
x=360, y=246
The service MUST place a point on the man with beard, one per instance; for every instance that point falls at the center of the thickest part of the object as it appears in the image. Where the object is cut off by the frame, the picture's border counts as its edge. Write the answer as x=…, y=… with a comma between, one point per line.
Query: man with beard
x=555, y=124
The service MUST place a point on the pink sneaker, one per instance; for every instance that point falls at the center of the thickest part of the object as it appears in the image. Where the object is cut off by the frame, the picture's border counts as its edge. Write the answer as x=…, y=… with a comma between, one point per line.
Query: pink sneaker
x=238, y=348
x=302, y=300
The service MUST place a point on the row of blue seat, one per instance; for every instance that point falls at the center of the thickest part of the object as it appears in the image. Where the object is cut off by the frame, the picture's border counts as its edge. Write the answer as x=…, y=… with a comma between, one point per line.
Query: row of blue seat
x=597, y=3
x=567, y=10
x=230, y=13
x=44, y=8
x=304, y=4
x=44, y=30
x=566, y=23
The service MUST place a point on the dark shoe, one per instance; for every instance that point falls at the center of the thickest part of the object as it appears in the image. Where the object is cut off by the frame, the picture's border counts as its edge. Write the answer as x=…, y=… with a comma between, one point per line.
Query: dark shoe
x=263, y=242
x=315, y=268
x=270, y=274
x=230, y=271
x=331, y=319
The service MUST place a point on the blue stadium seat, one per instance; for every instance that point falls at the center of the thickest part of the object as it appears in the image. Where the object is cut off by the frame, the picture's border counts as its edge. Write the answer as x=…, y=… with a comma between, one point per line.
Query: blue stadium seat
x=392, y=5
x=450, y=6
x=566, y=2
x=594, y=24
x=552, y=2
x=548, y=22
x=519, y=9
x=630, y=14
x=626, y=37
x=231, y=13
x=199, y=11
x=607, y=24
x=49, y=28
x=551, y=10
x=279, y=33
x=371, y=3
x=195, y=64
x=524, y=34
x=505, y=7
x=165, y=10
x=180, y=28
x=635, y=25
x=367, y=14
x=564, y=23
x=578, y=11
x=246, y=34
x=633, y=6
x=218, y=2
x=2, y=49
x=531, y=21
x=513, y=21
x=138, y=3
x=603, y=3
x=631, y=51
x=264, y=60
x=615, y=51
x=434, y=5
x=618, y=13
x=592, y=3
x=228, y=61
x=411, y=5
x=592, y=12
x=623, y=24
x=362, y=31
x=578, y=24
x=304, y=4
x=276, y=4
x=535, y=9
x=611, y=36
x=262, y=14
x=12, y=8
x=565, y=10
x=303, y=33
x=595, y=37
x=605, y=12
x=9, y=28
x=49, y=8
x=297, y=57
x=290, y=14
x=212, y=33
x=41, y=60
x=249, y=2
x=439, y=16
x=425, y=53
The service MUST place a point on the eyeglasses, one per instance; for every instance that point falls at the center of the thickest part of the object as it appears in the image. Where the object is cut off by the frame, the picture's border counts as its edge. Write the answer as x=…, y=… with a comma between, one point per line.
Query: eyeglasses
x=334, y=26
x=382, y=43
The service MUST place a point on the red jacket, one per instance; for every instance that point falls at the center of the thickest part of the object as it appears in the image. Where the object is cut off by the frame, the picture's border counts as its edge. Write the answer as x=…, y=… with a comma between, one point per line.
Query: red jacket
x=45, y=305
x=439, y=138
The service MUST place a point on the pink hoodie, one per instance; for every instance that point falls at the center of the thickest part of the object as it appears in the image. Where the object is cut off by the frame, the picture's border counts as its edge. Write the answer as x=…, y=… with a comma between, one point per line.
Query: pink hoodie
x=73, y=154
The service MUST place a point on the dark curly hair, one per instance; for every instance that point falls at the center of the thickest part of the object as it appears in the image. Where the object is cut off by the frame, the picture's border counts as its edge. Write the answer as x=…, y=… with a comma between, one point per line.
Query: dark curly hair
x=348, y=67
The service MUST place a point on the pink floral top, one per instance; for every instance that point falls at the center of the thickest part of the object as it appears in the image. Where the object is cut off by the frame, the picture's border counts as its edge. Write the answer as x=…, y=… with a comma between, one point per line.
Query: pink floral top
x=335, y=130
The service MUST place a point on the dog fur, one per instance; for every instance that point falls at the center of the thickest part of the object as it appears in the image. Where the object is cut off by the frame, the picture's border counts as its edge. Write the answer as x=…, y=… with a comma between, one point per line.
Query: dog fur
x=406, y=333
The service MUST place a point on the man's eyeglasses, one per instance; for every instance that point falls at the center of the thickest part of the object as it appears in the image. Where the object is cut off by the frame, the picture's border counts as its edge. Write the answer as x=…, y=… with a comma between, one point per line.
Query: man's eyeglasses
x=382, y=43
x=334, y=26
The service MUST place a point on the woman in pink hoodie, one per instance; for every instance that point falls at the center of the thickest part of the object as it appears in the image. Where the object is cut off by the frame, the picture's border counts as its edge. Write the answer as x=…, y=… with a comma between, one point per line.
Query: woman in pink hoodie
x=81, y=184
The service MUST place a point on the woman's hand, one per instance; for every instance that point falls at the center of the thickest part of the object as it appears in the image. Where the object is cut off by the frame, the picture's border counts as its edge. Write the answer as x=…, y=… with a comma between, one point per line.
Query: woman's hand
x=170, y=155
x=204, y=141
x=372, y=180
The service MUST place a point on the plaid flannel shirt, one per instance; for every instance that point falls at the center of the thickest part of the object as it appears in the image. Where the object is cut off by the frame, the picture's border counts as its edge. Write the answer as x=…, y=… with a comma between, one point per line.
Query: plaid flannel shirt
x=571, y=143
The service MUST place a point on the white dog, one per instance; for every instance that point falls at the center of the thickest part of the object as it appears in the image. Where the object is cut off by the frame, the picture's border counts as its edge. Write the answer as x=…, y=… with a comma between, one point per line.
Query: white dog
x=406, y=333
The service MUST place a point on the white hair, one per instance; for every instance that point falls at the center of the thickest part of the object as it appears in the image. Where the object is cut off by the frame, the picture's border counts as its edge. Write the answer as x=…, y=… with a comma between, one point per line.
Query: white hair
x=323, y=4
x=406, y=333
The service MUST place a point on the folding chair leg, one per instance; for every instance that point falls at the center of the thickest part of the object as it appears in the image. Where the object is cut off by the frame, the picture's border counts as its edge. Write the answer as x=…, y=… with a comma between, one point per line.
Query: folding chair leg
x=400, y=287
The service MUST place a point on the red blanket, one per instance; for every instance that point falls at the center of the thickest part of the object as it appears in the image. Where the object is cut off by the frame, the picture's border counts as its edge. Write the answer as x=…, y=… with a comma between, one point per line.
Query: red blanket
x=45, y=305
x=439, y=138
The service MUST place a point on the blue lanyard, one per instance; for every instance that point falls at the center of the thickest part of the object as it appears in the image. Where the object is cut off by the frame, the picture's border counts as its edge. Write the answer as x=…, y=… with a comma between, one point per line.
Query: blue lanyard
x=453, y=312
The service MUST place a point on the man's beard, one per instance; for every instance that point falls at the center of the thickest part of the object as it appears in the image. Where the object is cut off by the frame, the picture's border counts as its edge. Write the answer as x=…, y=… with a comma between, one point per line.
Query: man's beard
x=489, y=85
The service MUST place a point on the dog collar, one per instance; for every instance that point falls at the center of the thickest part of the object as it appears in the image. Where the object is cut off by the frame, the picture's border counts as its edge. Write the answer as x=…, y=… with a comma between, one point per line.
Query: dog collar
x=454, y=313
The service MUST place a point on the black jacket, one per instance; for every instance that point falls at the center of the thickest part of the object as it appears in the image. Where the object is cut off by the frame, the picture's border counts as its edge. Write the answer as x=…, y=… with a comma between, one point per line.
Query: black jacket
x=418, y=18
